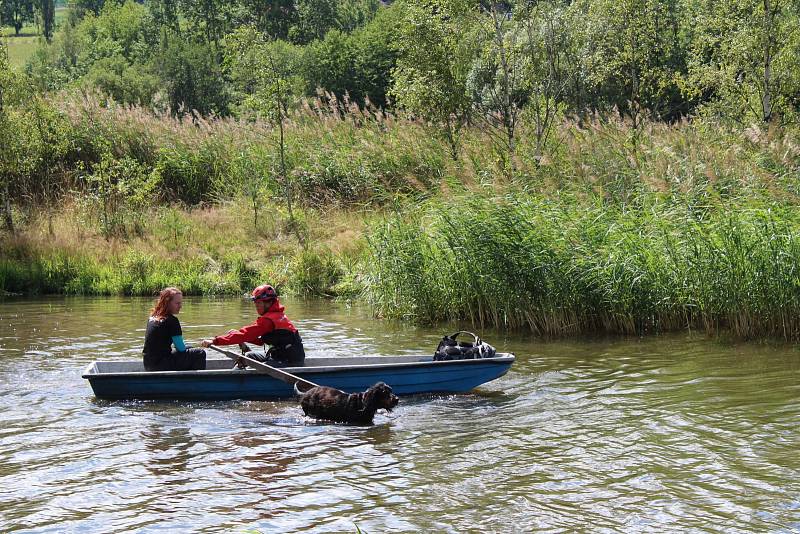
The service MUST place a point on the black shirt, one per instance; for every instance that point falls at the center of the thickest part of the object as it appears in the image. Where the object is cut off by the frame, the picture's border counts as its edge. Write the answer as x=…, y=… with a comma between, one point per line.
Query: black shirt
x=158, y=339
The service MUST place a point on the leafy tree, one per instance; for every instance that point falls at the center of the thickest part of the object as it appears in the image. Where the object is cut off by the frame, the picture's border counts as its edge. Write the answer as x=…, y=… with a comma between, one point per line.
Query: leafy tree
x=124, y=82
x=9, y=92
x=270, y=17
x=551, y=67
x=328, y=64
x=743, y=56
x=191, y=76
x=375, y=55
x=268, y=75
x=81, y=7
x=436, y=48
x=354, y=14
x=634, y=54
x=128, y=26
x=498, y=80
x=51, y=145
x=121, y=36
x=16, y=13
x=120, y=189
x=211, y=18
x=314, y=19
x=165, y=14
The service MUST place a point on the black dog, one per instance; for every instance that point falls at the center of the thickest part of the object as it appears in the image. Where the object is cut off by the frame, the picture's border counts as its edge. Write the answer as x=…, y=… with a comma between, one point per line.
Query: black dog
x=323, y=402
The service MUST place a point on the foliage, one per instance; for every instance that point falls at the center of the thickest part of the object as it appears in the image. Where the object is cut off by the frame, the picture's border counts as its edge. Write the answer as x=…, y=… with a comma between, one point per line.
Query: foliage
x=635, y=51
x=559, y=268
x=191, y=74
x=267, y=73
x=9, y=146
x=16, y=13
x=743, y=59
x=119, y=192
x=436, y=47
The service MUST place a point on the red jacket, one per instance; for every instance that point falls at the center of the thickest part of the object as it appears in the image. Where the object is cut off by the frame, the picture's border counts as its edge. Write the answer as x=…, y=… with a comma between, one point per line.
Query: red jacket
x=273, y=319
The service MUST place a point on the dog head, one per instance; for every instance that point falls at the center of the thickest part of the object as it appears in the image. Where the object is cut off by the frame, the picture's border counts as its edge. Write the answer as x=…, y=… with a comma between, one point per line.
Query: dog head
x=380, y=396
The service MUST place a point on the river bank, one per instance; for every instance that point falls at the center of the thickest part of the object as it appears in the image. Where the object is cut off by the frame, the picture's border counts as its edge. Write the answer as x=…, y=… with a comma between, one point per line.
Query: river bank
x=617, y=229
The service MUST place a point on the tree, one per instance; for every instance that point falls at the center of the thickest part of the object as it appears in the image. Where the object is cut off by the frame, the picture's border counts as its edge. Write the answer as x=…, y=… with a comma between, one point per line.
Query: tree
x=743, y=55
x=271, y=17
x=16, y=13
x=436, y=47
x=47, y=9
x=211, y=17
x=267, y=73
x=51, y=146
x=634, y=54
x=551, y=67
x=191, y=76
x=165, y=14
x=375, y=55
x=353, y=14
x=328, y=63
x=498, y=80
x=83, y=6
x=314, y=19
x=8, y=89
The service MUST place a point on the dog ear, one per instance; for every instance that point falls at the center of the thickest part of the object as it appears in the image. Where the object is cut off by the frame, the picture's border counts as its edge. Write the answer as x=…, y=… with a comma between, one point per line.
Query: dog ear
x=368, y=400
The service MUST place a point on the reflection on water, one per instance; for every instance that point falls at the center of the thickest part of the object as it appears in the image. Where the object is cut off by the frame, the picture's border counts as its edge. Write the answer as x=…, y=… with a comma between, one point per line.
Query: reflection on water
x=656, y=434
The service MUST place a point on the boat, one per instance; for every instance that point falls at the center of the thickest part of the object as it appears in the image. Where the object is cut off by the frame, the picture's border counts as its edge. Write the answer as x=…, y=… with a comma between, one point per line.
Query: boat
x=406, y=374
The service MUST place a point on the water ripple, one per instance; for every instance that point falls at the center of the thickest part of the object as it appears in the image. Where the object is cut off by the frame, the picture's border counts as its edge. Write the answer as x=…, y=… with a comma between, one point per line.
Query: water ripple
x=660, y=434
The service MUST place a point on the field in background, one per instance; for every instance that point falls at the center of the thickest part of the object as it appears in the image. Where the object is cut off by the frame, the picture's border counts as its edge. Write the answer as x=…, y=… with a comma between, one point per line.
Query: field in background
x=22, y=47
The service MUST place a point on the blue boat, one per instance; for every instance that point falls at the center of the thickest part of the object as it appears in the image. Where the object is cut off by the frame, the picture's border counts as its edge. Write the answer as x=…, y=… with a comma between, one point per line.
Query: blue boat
x=407, y=375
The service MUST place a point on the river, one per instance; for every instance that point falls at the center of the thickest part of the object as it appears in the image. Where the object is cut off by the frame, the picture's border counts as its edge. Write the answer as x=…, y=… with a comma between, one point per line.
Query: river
x=665, y=433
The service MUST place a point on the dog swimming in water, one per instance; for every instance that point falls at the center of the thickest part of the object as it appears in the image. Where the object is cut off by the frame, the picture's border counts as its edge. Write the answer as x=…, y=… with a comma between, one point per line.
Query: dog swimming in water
x=322, y=402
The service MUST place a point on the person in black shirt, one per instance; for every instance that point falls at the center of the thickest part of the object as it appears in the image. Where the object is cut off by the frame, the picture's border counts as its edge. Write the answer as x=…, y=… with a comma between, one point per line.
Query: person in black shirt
x=164, y=331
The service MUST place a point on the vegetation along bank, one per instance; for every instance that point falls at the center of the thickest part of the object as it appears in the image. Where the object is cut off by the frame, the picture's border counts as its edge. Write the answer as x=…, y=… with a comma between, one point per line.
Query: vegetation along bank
x=516, y=166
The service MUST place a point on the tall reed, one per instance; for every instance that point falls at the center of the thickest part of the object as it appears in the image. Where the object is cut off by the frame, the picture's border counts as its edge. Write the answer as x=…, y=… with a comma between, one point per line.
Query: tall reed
x=564, y=268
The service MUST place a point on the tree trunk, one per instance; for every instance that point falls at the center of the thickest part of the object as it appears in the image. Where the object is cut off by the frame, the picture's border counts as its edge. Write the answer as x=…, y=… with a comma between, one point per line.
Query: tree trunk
x=507, y=111
x=8, y=218
x=766, y=98
x=48, y=18
x=451, y=139
x=285, y=177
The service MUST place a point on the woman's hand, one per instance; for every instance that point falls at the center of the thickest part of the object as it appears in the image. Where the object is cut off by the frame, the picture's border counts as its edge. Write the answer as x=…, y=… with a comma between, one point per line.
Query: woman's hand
x=206, y=343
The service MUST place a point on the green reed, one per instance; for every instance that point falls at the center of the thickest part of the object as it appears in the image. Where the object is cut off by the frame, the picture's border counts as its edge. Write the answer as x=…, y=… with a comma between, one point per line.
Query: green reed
x=564, y=268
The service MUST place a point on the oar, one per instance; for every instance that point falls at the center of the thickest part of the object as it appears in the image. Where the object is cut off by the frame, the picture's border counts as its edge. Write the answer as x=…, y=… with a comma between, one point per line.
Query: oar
x=289, y=378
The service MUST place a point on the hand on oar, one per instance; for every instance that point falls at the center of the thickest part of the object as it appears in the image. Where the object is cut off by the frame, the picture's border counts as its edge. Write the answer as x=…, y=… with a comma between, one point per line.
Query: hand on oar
x=274, y=372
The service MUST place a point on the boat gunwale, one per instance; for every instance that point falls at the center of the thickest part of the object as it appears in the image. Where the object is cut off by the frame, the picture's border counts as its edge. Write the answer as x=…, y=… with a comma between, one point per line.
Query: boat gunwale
x=507, y=357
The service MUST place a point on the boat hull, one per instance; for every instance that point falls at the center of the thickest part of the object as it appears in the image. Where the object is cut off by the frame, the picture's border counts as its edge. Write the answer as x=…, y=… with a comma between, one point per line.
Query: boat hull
x=405, y=378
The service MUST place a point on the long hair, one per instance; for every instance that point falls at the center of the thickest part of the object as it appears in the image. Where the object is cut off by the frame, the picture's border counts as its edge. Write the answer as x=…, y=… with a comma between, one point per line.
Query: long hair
x=159, y=311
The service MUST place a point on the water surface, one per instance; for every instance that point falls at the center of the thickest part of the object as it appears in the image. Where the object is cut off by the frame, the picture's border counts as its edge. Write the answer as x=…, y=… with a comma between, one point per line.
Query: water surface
x=670, y=433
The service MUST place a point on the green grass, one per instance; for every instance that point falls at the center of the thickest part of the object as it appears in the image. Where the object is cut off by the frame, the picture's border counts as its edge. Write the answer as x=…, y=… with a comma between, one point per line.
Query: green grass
x=212, y=251
x=22, y=47
x=693, y=227
x=561, y=267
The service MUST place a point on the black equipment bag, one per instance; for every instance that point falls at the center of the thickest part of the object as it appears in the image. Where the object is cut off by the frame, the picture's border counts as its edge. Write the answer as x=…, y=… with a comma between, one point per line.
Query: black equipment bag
x=451, y=349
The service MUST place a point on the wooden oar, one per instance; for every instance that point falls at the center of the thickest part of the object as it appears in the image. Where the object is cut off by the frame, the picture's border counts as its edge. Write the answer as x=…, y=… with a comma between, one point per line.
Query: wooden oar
x=274, y=372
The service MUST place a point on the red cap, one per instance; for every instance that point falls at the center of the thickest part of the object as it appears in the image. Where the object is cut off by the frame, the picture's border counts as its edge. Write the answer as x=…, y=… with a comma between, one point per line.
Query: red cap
x=264, y=292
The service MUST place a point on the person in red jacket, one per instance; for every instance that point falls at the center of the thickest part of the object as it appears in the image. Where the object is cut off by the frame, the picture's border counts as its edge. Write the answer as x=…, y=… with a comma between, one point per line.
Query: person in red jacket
x=271, y=328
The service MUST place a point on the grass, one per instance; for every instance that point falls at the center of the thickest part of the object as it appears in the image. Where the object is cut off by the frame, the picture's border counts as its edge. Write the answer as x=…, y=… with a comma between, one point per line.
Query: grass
x=217, y=251
x=694, y=226
x=563, y=268
x=22, y=47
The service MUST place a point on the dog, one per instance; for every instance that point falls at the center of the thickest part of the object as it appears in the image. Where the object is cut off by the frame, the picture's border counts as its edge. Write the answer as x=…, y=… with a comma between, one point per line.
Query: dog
x=322, y=402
